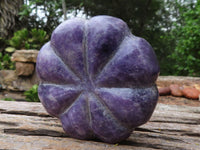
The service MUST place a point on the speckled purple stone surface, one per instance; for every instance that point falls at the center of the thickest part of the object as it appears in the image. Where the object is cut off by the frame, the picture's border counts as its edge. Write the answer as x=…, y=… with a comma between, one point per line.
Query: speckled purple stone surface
x=98, y=78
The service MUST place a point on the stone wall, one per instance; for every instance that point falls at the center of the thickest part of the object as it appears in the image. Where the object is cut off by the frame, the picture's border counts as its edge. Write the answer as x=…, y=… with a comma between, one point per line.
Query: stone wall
x=24, y=77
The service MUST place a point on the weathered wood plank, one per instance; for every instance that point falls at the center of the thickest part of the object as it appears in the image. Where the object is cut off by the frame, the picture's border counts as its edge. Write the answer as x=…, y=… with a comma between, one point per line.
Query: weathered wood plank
x=26, y=125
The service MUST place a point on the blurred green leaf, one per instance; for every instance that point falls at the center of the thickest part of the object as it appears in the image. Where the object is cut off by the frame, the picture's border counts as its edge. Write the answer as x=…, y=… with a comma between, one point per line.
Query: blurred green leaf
x=9, y=99
x=32, y=94
x=10, y=49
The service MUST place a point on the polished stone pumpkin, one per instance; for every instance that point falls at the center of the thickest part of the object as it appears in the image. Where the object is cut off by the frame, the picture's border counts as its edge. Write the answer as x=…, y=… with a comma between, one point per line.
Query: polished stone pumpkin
x=98, y=78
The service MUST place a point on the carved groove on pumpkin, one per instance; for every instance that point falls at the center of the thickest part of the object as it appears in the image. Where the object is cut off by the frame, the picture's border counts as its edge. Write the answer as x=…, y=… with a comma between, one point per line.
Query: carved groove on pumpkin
x=109, y=59
x=68, y=107
x=85, y=55
x=85, y=50
x=67, y=65
x=50, y=99
x=109, y=111
x=71, y=105
x=89, y=113
x=53, y=66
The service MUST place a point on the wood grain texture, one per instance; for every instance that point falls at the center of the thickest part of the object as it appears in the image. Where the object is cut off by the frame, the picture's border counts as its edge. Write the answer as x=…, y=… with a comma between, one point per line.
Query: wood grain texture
x=26, y=126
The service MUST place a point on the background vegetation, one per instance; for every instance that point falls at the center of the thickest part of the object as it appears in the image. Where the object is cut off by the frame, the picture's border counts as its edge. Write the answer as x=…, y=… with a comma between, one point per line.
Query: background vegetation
x=172, y=27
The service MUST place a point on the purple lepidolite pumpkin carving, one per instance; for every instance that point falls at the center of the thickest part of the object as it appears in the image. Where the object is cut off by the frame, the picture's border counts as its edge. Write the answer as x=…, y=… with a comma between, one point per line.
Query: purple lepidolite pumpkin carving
x=98, y=78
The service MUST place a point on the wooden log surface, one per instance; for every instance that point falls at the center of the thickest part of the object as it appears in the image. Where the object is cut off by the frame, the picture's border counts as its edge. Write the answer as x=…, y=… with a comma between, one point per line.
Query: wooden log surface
x=27, y=126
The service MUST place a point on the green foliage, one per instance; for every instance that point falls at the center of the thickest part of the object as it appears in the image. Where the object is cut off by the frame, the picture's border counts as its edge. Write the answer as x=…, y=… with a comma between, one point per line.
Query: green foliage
x=19, y=40
x=5, y=58
x=141, y=16
x=164, y=47
x=5, y=62
x=32, y=94
x=41, y=14
x=187, y=35
x=3, y=44
x=8, y=99
x=10, y=49
x=24, y=39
